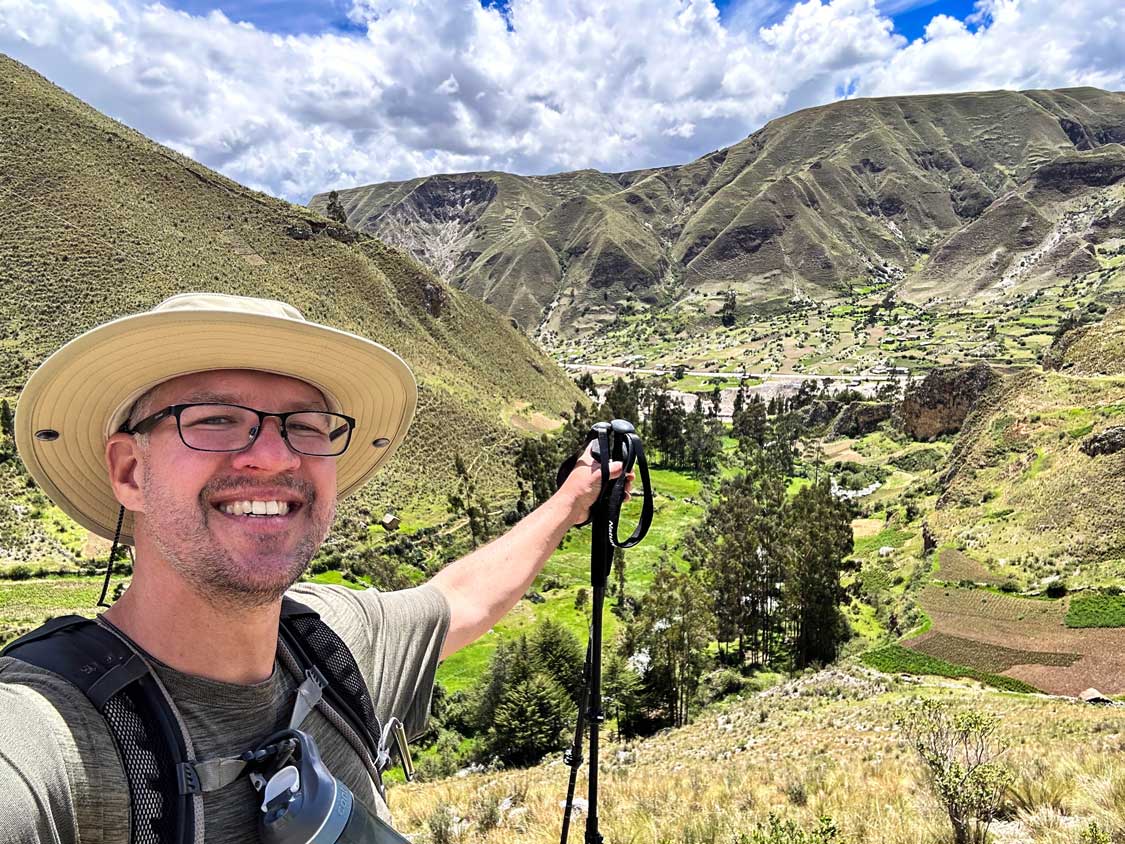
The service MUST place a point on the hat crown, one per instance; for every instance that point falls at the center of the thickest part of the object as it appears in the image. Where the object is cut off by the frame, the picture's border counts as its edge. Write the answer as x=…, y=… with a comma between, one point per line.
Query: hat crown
x=229, y=304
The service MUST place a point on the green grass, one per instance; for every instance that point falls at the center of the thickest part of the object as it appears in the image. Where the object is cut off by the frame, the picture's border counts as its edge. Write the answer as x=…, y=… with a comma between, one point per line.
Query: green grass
x=569, y=566
x=892, y=536
x=895, y=659
x=1096, y=611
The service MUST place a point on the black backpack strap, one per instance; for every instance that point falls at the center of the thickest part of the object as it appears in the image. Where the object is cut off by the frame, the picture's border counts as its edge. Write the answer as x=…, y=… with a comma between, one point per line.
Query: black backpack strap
x=317, y=647
x=118, y=682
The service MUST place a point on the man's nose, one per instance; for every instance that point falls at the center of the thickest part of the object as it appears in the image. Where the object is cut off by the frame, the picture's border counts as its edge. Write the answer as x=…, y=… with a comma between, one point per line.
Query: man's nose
x=269, y=451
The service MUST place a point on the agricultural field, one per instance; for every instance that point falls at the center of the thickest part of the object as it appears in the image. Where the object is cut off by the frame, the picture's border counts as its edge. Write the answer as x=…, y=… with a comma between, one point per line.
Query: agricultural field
x=1096, y=610
x=1023, y=638
x=955, y=566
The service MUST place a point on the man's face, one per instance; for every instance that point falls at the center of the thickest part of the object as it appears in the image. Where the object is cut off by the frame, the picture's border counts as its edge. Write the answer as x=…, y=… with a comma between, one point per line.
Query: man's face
x=238, y=558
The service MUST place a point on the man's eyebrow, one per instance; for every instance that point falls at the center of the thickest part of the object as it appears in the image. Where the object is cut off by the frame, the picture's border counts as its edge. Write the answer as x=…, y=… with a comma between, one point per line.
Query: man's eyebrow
x=228, y=398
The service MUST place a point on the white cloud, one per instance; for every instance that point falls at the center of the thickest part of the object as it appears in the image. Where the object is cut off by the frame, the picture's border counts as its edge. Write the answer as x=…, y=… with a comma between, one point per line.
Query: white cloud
x=446, y=85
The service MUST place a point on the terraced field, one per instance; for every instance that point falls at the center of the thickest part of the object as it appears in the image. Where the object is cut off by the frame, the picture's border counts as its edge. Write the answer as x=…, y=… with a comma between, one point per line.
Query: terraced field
x=1024, y=638
x=955, y=566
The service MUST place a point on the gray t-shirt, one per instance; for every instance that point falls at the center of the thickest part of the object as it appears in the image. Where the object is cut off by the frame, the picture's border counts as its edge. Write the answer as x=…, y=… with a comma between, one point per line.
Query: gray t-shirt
x=61, y=779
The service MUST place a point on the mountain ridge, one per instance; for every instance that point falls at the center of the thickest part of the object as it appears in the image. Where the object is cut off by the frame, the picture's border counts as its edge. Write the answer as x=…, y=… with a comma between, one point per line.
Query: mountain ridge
x=808, y=206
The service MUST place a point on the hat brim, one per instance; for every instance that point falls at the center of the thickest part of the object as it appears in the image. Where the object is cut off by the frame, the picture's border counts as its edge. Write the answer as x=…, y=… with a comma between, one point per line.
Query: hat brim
x=86, y=388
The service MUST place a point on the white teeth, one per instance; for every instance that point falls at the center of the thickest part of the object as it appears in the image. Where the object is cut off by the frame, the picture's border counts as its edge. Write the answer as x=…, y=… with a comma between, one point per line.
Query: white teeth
x=257, y=508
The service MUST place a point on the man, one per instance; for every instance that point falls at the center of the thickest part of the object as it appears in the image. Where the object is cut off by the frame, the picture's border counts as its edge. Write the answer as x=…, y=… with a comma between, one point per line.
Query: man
x=214, y=434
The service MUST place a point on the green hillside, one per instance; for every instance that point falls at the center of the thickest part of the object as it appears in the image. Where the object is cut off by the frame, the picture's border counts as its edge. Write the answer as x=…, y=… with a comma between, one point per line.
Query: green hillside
x=97, y=221
x=942, y=202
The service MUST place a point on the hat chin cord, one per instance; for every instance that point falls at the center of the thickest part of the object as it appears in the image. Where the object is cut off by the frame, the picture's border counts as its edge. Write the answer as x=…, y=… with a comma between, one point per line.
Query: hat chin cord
x=112, y=554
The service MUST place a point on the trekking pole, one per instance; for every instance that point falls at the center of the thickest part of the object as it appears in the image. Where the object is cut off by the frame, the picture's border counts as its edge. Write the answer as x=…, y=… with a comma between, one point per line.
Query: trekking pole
x=573, y=755
x=616, y=440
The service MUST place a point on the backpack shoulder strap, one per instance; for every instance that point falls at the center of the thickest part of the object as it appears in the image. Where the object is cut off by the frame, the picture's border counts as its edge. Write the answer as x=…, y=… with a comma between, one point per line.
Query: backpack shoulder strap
x=317, y=646
x=144, y=726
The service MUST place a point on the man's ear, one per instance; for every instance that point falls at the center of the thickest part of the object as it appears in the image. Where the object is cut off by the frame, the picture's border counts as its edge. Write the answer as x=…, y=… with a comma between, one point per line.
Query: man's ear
x=123, y=460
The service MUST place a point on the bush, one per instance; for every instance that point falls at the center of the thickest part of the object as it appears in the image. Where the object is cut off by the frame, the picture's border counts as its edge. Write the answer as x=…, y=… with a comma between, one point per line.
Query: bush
x=444, y=760
x=20, y=572
x=719, y=684
x=959, y=750
x=1057, y=589
x=775, y=831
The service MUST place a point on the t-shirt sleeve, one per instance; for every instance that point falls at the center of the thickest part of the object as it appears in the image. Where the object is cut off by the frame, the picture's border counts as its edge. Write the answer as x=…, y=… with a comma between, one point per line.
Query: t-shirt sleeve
x=396, y=639
x=49, y=787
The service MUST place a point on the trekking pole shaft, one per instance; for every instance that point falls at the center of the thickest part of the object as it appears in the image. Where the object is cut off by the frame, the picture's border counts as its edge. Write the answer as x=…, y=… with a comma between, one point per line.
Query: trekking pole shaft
x=576, y=748
x=595, y=714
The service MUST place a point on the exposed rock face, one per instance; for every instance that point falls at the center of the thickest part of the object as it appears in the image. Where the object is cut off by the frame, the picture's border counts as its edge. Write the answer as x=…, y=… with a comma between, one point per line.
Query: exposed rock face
x=434, y=298
x=821, y=412
x=940, y=403
x=1109, y=441
x=861, y=417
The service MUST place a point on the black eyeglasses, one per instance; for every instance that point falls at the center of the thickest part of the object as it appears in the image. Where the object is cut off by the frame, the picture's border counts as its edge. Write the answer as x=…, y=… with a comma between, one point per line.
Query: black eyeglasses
x=232, y=427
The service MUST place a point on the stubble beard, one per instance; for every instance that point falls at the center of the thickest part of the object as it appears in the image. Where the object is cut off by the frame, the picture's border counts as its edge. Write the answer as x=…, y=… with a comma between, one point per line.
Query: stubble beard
x=186, y=541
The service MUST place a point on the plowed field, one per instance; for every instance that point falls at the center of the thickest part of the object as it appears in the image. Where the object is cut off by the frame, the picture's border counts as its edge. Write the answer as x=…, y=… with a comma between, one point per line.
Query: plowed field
x=1023, y=638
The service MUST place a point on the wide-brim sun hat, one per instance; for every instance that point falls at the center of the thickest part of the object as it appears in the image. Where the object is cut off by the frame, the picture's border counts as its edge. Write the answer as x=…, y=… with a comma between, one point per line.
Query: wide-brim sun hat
x=82, y=394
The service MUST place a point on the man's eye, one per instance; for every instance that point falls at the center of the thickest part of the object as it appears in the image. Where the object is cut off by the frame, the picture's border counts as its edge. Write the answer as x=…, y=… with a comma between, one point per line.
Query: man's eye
x=212, y=421
x=304, y=428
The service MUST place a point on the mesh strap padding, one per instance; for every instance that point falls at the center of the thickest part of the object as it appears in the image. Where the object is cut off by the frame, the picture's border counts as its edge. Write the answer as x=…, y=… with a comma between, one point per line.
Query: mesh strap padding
x=347, y=690
x=149, y=768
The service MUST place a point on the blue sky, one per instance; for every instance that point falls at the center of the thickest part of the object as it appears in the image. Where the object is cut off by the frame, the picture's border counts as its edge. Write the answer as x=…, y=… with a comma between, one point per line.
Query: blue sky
x=291, y=17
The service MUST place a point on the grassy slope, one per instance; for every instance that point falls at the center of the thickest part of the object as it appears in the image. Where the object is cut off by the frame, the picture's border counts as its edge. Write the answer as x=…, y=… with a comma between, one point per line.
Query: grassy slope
x=97, y=221
x=824, y=745
x=1019, y=491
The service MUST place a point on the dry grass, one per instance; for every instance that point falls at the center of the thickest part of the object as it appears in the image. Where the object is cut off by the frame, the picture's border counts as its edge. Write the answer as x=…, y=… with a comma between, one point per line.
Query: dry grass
x=827, y=746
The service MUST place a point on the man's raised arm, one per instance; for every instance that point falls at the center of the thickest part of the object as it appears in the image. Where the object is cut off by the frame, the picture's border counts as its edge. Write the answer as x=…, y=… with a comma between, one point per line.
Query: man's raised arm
x=484, y=585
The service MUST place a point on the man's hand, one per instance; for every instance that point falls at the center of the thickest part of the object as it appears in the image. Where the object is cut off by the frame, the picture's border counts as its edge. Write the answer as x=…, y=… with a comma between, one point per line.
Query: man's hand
x=483, y=586
x=581, y=487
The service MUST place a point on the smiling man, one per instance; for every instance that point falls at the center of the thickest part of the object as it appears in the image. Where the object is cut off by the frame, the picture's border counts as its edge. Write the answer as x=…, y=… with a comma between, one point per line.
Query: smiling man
x=215, y=434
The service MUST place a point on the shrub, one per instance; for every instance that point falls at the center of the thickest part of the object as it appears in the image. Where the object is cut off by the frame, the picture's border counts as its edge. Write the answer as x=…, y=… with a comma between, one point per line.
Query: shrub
x=443, y=825
x=959, y=750
x=776, y=831
x=20, y=572
x=1057, y=589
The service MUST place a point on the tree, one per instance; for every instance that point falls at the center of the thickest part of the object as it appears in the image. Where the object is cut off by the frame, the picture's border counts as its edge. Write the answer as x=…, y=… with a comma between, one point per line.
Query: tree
x=960, y=751
x=749, y=426
x=7, y=420
x=820, y=533
x=674, y=627
x=621, y=401
x=335, y=210
x=466, y=503
x=511, y=664
x=727, y=314
x=666, y=427
x=702, y=439
x=586, y=384
x=558, y=654
x=619, y=574
x=742, y=553
x=537, y=464
x=530, y=721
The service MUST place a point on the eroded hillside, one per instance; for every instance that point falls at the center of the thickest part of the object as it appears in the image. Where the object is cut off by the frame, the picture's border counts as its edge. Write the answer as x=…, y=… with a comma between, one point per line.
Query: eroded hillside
x=941, y=200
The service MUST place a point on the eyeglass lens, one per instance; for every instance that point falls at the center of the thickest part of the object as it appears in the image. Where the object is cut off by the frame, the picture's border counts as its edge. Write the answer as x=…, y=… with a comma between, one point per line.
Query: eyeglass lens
x=224, y=427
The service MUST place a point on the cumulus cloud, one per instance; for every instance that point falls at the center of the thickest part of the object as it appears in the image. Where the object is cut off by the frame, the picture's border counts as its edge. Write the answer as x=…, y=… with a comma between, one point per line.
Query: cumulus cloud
x=429, y=86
